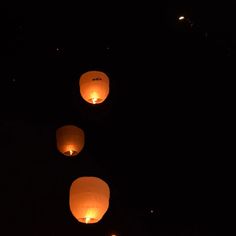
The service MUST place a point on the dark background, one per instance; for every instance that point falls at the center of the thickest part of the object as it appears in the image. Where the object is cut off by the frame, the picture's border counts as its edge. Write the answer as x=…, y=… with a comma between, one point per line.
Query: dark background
x=160, y=140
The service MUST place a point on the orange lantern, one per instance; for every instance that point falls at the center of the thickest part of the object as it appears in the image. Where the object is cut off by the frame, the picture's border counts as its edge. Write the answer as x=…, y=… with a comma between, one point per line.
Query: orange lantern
x=89, y=199
x=94, y=86
x=70, y=140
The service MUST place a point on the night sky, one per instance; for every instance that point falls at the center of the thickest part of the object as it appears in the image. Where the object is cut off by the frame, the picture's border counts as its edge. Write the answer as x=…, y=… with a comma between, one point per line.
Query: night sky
x=158, y=140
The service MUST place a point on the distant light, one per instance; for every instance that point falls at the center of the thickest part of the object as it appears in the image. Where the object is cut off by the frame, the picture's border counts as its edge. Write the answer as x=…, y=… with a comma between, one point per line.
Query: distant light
x=152, y=211
x=181, y=18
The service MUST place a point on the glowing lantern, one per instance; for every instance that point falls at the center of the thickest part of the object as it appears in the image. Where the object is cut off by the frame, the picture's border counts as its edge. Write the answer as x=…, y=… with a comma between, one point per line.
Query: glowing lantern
x=94, y=86
x=70, y=140
x=89, y=199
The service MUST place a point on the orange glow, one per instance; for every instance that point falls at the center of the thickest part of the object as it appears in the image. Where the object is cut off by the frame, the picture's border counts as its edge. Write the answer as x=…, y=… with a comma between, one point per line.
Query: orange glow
x=70, y=140
x=89, y=199
x=94, y=86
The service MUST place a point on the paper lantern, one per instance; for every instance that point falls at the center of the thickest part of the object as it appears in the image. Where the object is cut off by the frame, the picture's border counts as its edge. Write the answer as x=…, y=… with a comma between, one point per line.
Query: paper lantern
x=94, y=86
x=70, y=140
x=89, y=199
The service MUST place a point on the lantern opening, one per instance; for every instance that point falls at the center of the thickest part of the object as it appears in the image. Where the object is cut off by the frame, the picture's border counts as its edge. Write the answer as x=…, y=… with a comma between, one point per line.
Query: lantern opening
x=95, y=100
x=70, y=153
x=87, y=220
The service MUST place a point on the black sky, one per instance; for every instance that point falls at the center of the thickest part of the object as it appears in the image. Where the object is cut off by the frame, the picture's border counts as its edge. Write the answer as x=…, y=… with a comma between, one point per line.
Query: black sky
x=159, y=138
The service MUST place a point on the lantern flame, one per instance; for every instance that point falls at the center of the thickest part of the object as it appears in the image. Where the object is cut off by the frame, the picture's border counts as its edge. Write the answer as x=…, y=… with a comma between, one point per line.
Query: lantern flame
x=94, y=97
x=94, y=100
x=87, y=220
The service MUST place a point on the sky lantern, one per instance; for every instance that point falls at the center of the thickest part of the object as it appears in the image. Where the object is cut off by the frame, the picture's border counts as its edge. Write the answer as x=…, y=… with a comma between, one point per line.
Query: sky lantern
x=70, y=140
x=94, y=86
x=89, y=199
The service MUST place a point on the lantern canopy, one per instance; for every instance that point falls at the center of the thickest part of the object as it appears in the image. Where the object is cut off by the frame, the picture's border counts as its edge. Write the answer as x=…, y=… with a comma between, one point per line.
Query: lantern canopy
x=89, y=199
x=94, y=86
x=70, y=140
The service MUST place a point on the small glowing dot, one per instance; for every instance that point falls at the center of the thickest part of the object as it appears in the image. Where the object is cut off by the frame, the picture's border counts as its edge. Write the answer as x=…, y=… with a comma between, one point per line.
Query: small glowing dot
x=57, y=49
x=152, y=211
x=181, y=18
